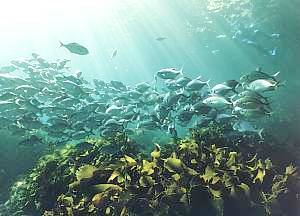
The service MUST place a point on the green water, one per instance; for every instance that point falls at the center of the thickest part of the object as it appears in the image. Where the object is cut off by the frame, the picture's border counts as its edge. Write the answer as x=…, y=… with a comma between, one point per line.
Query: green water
x=202, y=36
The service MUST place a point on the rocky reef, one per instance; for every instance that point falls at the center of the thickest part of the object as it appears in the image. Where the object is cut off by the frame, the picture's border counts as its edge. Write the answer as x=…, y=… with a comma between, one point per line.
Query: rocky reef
x=206, y=173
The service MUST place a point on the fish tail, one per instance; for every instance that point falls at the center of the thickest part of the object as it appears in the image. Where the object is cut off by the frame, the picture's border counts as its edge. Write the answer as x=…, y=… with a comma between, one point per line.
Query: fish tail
x=260, y=133
x=244, y=85
x=283, y=83
x=231, y=99
x=234, y=89
x=181, y=71
x=198, y=77
x=155, y=83
x=208, y=85
x=61, y=44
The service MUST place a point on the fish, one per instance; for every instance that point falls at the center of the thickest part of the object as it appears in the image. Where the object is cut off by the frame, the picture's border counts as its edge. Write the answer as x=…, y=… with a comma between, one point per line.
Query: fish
x=221, y=36
x=231, y=83
x=185, y=115
x=7, y=105
x=160, y=38
x=142, y=87
x=171, y=98
x=216, y=101
x=113, y=124
x=113, y=54
x=108, y=133
x=172, y=85
x=56, y=101
x=79, y=135
x=254, y=113
x=118, y=85
x=224, y=118
x=78, y=74
x=200, y=108
x=275, y=35
x=216, y=51
x=168, y=73
x=262, y=85
x=246, y=126
x=75, y=48
x=8, y=69
x=258, y=74
x=148, y=125
x=254, y=95
x=196, y=84
x=273, y=51
x=221, y=89
x=249, y=98
x=113, y=110
x=183, y=81
x=6, y=96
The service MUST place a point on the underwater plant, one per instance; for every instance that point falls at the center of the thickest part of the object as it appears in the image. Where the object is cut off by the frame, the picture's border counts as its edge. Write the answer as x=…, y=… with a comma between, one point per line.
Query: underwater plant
x=202, y=175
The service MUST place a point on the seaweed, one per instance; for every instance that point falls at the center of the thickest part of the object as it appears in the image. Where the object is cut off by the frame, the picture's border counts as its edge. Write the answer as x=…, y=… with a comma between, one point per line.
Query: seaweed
x=202, y=174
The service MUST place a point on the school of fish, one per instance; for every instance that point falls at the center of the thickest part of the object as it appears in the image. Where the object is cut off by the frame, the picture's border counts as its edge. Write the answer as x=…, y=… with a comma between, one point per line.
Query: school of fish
x=45, y=102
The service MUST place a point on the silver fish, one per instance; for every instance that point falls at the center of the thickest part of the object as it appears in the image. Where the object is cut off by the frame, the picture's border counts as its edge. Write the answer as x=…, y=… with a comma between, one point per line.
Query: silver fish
x=246, y=126
x=168, y=73
x=216, y=101
x=196, y=84
x=114, y=54
x=262, y=85
x=75, y=48
x=258, y=74
x=160, y=38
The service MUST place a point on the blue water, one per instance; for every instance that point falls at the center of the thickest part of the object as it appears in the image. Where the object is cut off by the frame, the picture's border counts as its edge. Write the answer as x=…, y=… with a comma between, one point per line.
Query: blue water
x=217, y=39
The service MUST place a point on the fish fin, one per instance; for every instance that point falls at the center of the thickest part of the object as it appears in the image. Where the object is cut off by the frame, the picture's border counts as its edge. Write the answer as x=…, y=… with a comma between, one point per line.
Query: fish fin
x=209, y=87
x=260, y=133
x=233, y=96
x=181, y=71
x=276, y=74
x=231, y=99
x=234, y=91
x=244, y=86
x=238, y=85
x=207, y=83
x=61, y=44
x=155, y=82
x=198, y=77
x=283, y=83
